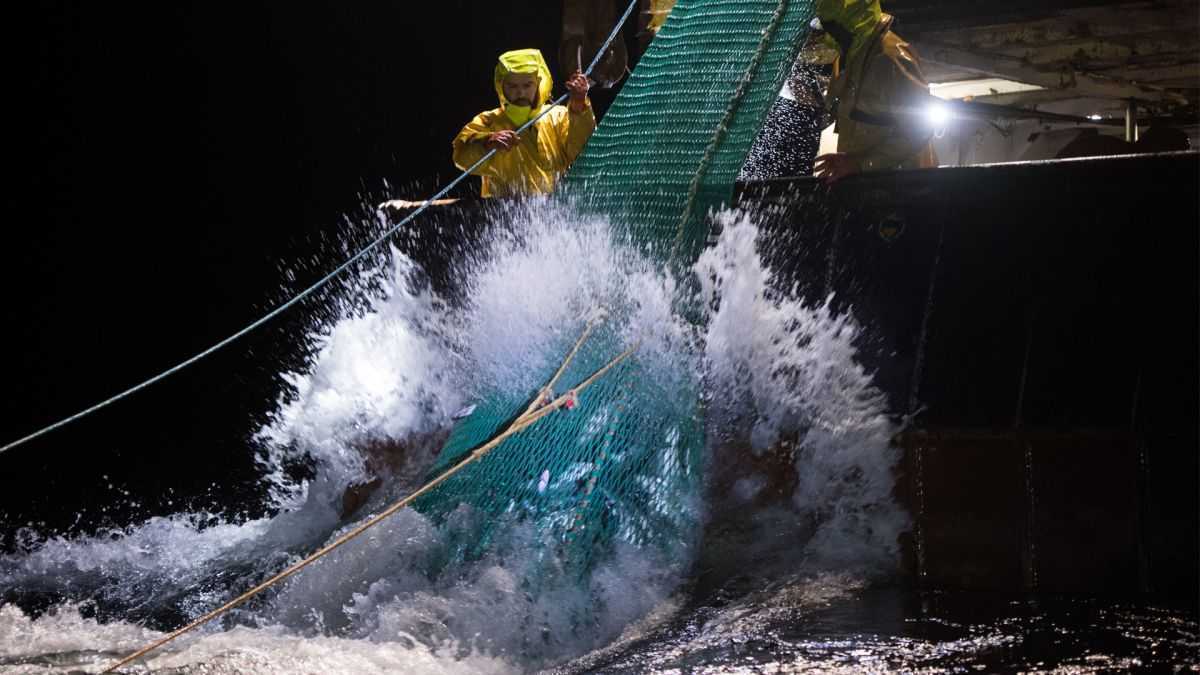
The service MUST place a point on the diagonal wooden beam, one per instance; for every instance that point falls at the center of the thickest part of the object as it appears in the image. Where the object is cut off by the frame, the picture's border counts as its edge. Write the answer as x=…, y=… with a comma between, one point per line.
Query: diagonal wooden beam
x=1038, y=96
x=999, y=65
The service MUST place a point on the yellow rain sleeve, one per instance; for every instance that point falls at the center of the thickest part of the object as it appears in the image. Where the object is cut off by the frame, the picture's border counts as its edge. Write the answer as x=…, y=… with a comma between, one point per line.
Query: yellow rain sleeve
x=509, y=172
x=890, y=130
x=468, y=145
x=573, y=130
x=659, y=9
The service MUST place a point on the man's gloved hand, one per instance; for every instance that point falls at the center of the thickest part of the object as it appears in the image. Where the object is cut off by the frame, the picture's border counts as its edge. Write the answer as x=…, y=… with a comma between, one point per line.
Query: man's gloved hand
x=502, y=140
x=578, y=86
x=835, y=166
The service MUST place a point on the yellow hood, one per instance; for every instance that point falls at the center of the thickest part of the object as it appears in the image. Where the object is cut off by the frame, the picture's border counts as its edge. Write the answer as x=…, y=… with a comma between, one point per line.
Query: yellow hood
x=525, y=61
x=859, y=18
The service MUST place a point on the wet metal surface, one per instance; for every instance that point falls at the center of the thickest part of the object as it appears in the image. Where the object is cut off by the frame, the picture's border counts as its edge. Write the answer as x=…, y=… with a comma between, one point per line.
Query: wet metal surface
x=827, y=625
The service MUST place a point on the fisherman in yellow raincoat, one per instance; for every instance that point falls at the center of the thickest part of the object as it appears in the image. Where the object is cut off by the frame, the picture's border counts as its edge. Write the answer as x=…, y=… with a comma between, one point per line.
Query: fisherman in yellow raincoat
x=532, y=162
x=877, y=97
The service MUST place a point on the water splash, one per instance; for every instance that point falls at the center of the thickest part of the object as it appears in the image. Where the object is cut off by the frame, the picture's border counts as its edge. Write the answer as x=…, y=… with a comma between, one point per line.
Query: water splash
x=398, y=367
x=64, y=640
x=784, y=372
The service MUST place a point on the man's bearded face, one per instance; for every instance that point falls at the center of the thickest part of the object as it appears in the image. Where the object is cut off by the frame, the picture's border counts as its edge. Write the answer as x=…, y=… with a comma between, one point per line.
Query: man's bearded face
x=521, y=89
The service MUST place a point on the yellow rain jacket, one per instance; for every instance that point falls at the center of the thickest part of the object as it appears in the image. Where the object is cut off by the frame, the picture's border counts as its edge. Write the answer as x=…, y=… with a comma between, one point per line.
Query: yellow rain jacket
x=658, y=11
x=545, y=150
x=879, y=94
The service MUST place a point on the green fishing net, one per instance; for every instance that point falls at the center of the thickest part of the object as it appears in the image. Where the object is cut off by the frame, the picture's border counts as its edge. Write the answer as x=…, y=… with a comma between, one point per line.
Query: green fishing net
x=626, y=463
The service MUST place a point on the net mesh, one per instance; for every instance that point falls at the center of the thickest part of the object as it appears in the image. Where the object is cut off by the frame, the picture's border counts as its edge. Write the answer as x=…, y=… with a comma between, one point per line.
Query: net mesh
x=626, y=464
x=672, y=144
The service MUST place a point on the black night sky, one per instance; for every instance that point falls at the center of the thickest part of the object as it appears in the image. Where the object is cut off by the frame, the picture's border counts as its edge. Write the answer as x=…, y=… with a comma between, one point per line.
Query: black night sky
x=171, y=162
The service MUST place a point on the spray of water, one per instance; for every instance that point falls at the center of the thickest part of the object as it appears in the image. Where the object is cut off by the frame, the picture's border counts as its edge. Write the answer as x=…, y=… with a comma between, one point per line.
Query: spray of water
x=781, y=369
x=385, y=375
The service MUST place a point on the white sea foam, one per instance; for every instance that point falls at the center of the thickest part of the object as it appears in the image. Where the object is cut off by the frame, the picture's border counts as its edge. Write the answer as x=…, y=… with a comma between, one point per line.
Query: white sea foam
x=64, y=641
x=780, y=367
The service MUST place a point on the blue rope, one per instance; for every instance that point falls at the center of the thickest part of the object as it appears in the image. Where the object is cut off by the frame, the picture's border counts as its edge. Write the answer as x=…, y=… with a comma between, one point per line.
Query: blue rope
x=325, y=279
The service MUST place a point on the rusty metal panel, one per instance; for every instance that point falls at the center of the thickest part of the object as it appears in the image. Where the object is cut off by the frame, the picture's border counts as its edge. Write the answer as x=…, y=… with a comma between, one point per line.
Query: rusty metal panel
x=1084, y=510
x=1025, y=511
x=1172, y=516
x=970, y=511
